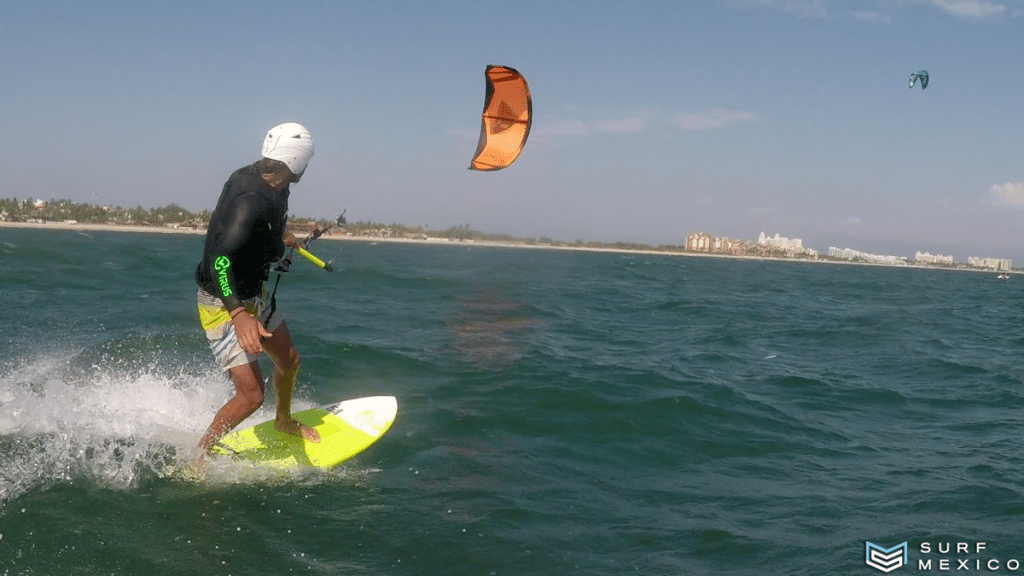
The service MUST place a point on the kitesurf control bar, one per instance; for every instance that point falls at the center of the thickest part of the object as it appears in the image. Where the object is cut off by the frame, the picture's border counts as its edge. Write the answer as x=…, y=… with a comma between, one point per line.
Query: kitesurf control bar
x=320, y=263
x=316, y=233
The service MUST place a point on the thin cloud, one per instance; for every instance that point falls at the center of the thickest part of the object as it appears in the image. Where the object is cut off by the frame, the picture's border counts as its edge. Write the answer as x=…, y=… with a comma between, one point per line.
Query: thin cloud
x=622, y=125
x=806, y=8
x=1008, y=194
x=711, y=119
x=644, y=120
x=564, y=128
x=869, y=16
x=970, y=8
x=832, y=8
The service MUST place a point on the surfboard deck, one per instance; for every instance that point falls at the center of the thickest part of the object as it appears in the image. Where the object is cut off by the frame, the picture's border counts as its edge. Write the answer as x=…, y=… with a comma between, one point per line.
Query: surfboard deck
x=346, y=429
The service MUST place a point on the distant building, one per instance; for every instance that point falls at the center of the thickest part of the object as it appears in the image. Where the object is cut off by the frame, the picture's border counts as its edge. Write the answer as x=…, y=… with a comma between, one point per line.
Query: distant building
x=704, y=242
x=301, y=228
x=991, y=263
x=699, y=242
x=781, y=242
x=850, y=254
x=926, y=258
x=791, y=246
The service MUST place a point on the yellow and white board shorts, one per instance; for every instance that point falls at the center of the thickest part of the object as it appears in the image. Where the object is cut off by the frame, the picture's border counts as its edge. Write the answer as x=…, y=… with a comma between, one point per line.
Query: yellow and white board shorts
x=220, y=331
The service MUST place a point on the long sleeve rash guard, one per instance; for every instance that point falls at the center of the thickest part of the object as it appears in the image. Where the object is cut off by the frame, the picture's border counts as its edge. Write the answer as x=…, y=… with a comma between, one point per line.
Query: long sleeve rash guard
x=245, y=235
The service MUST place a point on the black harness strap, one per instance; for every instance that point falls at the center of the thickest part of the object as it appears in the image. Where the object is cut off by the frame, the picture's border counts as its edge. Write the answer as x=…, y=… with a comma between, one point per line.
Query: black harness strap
x=273, y=302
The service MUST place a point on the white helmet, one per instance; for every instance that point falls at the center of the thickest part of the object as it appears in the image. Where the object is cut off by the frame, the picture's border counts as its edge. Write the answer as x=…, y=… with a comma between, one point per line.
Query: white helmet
x=290, y=143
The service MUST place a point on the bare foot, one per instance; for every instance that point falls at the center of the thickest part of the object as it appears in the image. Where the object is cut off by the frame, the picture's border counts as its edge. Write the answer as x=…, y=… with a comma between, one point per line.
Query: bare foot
x=295, y=428
x=197, y=469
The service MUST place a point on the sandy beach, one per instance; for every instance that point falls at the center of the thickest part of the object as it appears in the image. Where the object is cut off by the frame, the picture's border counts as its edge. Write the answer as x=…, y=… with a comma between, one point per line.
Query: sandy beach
x=100, y=227
x=440, y=241
x=481, y=243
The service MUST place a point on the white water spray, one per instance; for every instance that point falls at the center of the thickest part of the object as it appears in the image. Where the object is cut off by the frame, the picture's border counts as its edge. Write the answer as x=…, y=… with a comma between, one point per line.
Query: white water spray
x=111, y=427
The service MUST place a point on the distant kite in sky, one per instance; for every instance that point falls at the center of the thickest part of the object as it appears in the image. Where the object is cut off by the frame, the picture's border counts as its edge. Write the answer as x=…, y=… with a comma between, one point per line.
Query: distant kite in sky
x=921, y=75
x=508, y=113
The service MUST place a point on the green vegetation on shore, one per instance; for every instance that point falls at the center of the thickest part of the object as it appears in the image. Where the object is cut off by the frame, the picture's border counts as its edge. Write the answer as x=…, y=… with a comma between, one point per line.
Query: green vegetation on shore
x=29, y=210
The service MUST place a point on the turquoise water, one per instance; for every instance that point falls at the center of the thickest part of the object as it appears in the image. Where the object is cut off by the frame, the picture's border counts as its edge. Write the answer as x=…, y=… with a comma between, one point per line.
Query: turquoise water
x=559, y=413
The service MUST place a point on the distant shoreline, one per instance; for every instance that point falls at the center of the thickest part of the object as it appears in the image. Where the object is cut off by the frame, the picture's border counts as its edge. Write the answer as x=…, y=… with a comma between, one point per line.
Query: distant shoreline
x=84, y=227
x=100, y=227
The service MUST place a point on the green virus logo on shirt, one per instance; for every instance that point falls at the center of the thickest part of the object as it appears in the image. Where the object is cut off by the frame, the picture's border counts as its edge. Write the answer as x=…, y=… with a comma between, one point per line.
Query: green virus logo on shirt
x=221, y=265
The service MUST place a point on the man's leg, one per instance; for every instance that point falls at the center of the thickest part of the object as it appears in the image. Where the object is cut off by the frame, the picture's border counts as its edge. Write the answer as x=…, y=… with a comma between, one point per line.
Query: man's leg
x=286, y=365
x=249, y=389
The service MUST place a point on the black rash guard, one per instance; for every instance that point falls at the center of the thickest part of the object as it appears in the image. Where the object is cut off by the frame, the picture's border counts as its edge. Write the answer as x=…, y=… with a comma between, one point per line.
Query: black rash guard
x=245, y=236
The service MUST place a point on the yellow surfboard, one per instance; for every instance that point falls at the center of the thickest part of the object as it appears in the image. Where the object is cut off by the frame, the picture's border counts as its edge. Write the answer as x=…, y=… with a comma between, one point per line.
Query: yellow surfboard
x=346, y=429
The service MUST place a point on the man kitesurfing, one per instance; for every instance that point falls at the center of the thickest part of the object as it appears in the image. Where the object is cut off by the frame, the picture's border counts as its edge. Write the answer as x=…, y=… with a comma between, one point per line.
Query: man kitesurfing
x=246, y=236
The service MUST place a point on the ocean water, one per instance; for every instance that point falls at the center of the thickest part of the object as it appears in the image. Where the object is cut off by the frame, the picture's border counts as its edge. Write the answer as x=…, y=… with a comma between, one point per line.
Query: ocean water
x=559, y=413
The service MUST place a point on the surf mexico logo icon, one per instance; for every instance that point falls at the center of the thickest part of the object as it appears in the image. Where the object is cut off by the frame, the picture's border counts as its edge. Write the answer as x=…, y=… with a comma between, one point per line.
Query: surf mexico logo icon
x=885, y=559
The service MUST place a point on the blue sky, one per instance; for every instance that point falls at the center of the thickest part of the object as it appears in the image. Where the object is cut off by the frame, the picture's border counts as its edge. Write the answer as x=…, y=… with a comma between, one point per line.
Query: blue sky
x=651, y=119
